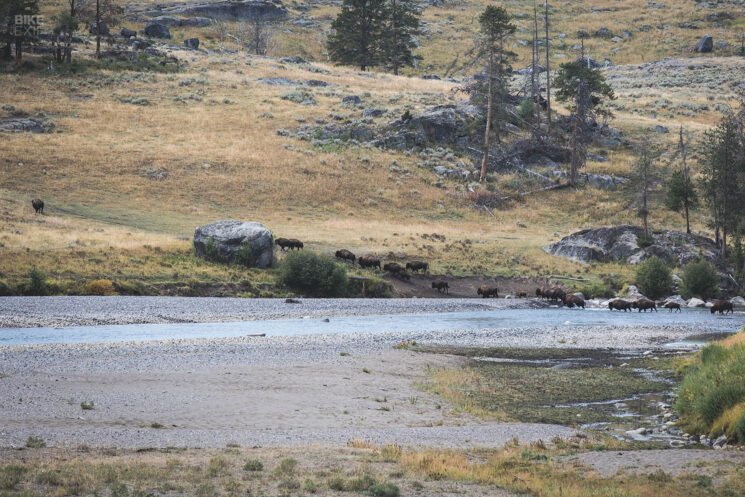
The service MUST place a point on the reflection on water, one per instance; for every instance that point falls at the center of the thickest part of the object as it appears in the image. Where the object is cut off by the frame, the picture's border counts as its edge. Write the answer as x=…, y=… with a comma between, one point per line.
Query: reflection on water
x=473, y=320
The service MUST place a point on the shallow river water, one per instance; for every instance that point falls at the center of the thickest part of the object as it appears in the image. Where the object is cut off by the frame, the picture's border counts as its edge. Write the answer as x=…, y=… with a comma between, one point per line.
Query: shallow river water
x=471, y=320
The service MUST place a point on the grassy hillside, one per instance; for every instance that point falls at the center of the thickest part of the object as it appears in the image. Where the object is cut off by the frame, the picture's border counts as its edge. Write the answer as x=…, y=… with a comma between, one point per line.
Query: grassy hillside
x=138, y=159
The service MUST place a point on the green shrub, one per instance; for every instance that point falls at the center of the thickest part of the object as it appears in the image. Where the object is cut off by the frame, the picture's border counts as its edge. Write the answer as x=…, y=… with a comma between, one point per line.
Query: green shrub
x=38, y=285
x=644, y=242
x=699, y=279
x=374, y=288
x=5, y=290
x=712, y=393
x=244, y=255
x=360, y=483
x=654, y=279
x=526, y=109
x=253, y=465
x=286, y=467
x=35, y=442
x=314, y=274
x=337, y=484
x=596, y=290
x=10, y=476
x=386, y=489
x=213, y=254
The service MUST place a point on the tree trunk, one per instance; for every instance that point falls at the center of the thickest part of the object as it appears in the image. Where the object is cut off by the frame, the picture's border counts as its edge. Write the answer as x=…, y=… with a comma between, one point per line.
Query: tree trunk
x=7, y=51
x=19, y=51
x=488, y=119
x=98, y=29
x=548, y=74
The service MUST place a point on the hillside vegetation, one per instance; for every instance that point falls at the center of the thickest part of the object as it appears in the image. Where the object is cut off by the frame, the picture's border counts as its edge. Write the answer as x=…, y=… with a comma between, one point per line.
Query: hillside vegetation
x=137, y=159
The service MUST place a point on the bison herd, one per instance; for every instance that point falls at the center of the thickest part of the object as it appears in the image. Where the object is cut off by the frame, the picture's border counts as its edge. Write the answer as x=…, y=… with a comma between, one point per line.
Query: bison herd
x=644, y=304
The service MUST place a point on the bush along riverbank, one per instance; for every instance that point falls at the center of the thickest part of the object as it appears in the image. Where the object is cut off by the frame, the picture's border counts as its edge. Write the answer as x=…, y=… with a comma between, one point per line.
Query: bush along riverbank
x=711, y=400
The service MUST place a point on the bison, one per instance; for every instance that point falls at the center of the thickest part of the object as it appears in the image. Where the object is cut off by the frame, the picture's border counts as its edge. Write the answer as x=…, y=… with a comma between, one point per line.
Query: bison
x=672, y=306
x=38, y=205
x=289, y=243
x=644, y=304
x=415, y=266
x=620, y=305
x=346, y=255
x=487, y=291
x=522, y=294
x=369, y=261
x=396, y=269
x=572, y=300
x=441, y=286
x=722, y=307
x=554, y=294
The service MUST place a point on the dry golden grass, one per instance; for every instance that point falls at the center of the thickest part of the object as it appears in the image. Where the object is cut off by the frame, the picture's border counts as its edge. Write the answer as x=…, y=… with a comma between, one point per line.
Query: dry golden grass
x=119, y=177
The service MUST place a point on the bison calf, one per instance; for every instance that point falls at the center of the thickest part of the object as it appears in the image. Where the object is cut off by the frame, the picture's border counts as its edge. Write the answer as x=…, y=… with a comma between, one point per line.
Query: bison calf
x=672, y=306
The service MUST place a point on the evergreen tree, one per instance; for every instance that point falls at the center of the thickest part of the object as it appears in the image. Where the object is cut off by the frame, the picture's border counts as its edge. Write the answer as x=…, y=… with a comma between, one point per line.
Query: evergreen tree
x=401, y=28
x=358, y=32
x=680, y=195
x=645, y=177
x=495, y=29
x=17, y=33
x=584, y=87
x=722, y=177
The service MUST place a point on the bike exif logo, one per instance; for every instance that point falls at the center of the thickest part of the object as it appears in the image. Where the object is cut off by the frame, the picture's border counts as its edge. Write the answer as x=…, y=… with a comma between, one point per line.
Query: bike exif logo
x=27, y=25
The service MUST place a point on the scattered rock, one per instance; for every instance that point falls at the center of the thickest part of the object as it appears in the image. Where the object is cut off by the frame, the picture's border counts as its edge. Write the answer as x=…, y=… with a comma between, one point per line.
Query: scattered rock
x=192, y=43
x=293, y=60
x=705, y=44
x=101, y=26
x=600, y=181
x=22, y=124
x=128, y=33
x=694, y=302
x=373, y=112
x=737, y=301
x=351, y=99
x=157, y=30
x=229, y=10
x=228, y=236
x=604, y=33
x=277, y=81
x=431, y=76
x=661, y=129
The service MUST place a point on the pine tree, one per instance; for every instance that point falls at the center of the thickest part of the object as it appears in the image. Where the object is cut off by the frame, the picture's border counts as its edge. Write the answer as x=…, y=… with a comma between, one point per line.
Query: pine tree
x=17, y=33
x=645, y=177
x=495, y=28
x=401, y=28
x=358, y=32
x=680, y=192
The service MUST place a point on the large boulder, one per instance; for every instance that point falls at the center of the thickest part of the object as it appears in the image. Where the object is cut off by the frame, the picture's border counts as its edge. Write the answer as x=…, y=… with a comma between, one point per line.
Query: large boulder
x=101, y=26
x=705, y=44
x=157, y=30
x=620, y=243
x=694, y=302
x=192, y=43
x=599, y=181
x=128, y=33
x=227, y=236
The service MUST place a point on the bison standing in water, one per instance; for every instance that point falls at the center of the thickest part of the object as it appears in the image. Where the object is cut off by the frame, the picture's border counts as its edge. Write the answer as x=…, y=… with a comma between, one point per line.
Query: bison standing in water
x=441, y=286
x=487, y=291
x=38, y=205
x=522, y=294
x=672, y=306
x=644, y=304
x=722, y=307
x=572, y=300
x=619, y=304
x=346, y=255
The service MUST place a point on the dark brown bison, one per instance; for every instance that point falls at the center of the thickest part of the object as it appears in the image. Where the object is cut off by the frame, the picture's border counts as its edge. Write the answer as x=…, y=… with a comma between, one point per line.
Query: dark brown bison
x=442, y=286
x=522, y=294
x=539, y=292
x=572, y=300
x=722, y=307
x=644, y=305
x=487, y=291
x=346, y=255
x=369, y=260
x=415, y=266
x=620, y=305
x=672, y=306
x=554, y=294
x=397, y=270
x=38, y=205
x=289, y=243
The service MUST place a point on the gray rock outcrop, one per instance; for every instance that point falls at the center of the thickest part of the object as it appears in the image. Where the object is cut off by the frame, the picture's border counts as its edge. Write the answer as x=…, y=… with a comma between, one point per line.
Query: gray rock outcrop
x=227, y=10
x=442, y=125
x=128, y=33
x=600, y=181
x=157, y=30
x=227, y=237
x=705, y=44
x=192, y=43
x=618, y=243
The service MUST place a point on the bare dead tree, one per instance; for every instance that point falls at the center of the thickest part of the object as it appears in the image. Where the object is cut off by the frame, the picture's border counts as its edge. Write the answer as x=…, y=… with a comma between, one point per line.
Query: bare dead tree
x=548, y=69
